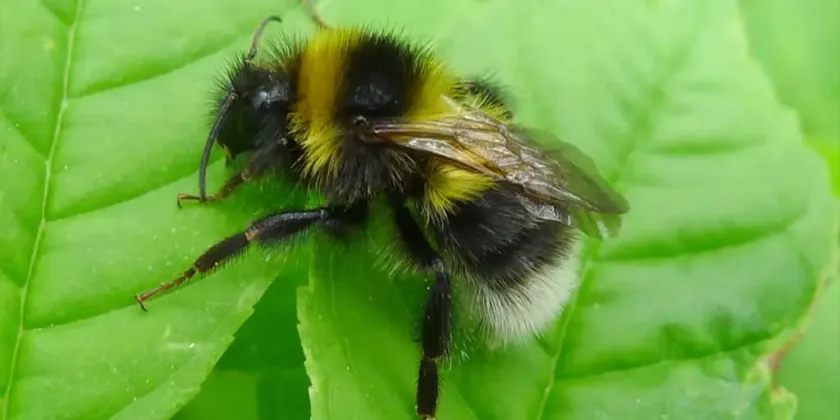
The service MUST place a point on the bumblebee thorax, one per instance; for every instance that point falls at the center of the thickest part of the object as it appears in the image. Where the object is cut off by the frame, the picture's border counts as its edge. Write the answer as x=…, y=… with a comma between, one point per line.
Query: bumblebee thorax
x=349, y=74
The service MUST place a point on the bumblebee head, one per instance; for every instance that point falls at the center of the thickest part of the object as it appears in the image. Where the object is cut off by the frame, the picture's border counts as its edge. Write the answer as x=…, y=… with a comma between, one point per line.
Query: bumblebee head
x=255, y=96
x=250, y=110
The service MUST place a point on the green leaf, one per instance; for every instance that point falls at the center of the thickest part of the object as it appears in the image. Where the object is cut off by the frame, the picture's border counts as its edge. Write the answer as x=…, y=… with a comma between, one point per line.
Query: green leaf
x=731, y=225
x=830, y=152
x=810, y=368
x=225, y=394
x=798, y=45
x=102, y=121
x=270, y=393
x=266, y=351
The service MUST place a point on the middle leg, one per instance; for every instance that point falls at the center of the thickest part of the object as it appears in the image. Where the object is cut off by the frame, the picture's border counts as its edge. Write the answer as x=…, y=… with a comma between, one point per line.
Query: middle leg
x=268, y=230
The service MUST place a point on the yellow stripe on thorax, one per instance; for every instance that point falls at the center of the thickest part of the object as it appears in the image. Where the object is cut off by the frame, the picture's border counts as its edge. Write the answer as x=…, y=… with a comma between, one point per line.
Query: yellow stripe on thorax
x=322, y=69
x=323, y=65
x=321, y=73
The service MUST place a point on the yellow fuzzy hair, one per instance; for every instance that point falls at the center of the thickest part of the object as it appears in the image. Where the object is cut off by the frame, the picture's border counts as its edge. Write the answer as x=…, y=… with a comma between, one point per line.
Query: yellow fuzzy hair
x=322, y=66
x=321, y=69
x=448, y=184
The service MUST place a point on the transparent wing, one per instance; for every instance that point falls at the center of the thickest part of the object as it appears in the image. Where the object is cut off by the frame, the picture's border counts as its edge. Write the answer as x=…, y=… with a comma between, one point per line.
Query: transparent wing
x=560, y=183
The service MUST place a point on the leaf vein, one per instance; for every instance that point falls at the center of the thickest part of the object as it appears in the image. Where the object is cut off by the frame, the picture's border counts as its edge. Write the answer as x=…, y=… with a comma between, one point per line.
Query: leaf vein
x=770, y=230
x=108, y=86
x=24, y=136
x=56, y=14
x=122, y=200
x=62, y=107
x=749, y=343
x=210, y=50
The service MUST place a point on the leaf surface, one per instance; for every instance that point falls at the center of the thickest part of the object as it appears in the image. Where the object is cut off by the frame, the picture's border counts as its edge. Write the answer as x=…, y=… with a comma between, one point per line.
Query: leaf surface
x=102, y=110
x=798, y=45
x=102, y=121
x=810, y=368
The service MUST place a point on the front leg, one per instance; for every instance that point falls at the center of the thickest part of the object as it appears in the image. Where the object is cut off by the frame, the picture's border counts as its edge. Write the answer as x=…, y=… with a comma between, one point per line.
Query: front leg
x=227, y=189
x=437, y=316
x=259, y=163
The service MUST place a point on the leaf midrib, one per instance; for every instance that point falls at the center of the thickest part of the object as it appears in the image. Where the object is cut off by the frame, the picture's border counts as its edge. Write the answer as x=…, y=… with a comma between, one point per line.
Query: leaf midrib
x=48, y=164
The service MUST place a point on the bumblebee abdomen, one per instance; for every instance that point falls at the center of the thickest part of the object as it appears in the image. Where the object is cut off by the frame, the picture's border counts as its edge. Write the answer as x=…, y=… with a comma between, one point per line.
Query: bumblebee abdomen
x=519, y=268
x=446, y=185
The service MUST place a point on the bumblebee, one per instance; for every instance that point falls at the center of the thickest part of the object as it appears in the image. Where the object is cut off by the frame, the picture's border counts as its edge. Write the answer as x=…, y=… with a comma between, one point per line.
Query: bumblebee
x=364, y=117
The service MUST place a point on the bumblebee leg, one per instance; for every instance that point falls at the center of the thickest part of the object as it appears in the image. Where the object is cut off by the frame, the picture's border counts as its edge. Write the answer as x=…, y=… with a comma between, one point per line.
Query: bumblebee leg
x=272, y=228
x=314, y=13
x=260, y=162
x=435, y=339
x=436, y=330
x=226, y=190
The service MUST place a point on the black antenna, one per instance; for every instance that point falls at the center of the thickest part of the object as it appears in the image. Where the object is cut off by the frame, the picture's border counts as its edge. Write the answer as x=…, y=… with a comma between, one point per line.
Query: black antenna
x=255, y=42
x=208, y=147
x=223, y=110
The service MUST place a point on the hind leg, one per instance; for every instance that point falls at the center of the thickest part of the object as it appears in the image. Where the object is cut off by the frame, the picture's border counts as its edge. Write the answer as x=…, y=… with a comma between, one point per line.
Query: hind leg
x=436, y=323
